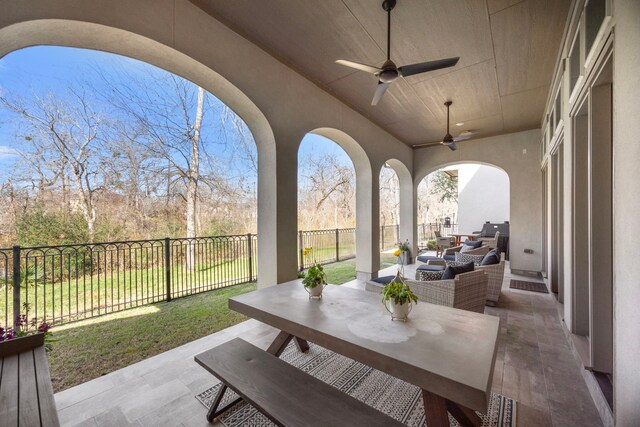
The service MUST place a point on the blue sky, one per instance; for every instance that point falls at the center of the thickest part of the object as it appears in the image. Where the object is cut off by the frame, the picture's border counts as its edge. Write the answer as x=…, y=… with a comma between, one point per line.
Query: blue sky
x=43, y=69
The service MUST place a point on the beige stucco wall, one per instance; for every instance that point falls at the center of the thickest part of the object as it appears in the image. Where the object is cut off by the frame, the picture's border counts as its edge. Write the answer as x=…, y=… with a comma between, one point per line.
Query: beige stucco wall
x=483, y=195
x=626, y=199
x=279, y=105
x=518, y=154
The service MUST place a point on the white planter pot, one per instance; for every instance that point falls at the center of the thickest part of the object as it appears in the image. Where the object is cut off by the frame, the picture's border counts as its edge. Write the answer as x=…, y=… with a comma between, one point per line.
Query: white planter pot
x=316, y=292
x=399, y=311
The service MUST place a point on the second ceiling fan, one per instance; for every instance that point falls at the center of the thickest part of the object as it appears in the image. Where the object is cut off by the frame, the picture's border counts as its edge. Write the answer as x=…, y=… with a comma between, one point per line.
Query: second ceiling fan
x=389, y=72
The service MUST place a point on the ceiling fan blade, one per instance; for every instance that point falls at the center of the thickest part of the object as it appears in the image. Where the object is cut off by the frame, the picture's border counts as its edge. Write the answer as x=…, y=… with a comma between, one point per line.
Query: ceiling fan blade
x=362, y=67
x=462, y=138
x=423, y=67
x=380, y=90
x=453, y=146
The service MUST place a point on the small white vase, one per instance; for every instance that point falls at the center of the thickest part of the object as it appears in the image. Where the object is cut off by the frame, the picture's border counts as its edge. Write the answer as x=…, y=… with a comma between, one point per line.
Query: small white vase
x=315, y=292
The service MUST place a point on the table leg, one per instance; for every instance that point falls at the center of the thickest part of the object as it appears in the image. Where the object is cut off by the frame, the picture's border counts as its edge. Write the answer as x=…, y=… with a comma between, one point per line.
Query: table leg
x=435, y=410
x=282, y=340
x=465, y=416
x=436, y=407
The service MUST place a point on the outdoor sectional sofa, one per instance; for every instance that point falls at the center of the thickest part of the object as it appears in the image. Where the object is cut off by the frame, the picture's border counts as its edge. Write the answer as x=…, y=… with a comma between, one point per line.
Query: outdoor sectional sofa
x=467, y=291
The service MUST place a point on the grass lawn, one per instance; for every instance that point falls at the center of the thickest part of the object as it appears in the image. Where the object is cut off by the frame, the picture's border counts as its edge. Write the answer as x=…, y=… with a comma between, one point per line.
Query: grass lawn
x=91, y=348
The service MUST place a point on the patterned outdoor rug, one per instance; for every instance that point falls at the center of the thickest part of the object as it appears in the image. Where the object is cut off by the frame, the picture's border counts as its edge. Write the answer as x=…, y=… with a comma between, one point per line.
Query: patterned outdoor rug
x=528, y=286
x=390, y=395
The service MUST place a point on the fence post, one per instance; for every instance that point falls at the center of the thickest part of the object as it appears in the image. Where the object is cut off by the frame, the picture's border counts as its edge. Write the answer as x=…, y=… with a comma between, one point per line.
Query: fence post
x=382, y=238
x=16, y=287
x=398, y=233
x=250, y=252
x=301, y=247
x=167, y=266
x=337, y=245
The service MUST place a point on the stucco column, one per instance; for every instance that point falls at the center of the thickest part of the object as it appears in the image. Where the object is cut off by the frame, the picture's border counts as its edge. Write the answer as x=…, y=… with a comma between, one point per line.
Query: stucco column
x=626, y=200
x=277, y=214
x=408, y=211
x=367, y=225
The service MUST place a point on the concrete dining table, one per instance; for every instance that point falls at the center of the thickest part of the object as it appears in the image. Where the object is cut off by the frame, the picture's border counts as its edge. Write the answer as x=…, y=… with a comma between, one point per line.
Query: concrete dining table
x=448, y=353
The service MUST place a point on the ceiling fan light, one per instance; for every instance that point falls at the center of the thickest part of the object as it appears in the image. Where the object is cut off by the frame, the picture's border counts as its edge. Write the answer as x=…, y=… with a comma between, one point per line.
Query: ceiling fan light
x=388, y=76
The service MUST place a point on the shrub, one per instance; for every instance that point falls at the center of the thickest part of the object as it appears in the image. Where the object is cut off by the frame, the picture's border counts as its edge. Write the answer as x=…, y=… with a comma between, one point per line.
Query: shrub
x=37, y=227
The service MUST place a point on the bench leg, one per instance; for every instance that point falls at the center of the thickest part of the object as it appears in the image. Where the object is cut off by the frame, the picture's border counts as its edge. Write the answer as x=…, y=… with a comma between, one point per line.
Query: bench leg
x=282, y=340
x=214, y=411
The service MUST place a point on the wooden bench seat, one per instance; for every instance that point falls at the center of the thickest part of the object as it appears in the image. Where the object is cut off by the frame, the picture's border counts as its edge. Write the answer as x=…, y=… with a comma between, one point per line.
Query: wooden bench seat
x=282, y=392
x=26, y=394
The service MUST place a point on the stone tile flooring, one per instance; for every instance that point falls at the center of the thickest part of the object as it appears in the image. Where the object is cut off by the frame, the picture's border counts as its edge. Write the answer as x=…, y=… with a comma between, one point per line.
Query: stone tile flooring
x=534, y=365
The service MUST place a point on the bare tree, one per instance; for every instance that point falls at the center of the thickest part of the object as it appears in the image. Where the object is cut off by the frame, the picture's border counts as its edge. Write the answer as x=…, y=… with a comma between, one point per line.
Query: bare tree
x=62, y=134
x=327, y=192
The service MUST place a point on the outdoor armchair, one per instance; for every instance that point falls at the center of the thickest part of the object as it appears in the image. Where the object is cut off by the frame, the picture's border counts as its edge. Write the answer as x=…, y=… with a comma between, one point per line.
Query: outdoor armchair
x=491, y=242
x=495, y=275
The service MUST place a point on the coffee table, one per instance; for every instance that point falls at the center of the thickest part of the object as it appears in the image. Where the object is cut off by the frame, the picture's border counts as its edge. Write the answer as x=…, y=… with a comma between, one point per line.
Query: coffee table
x=448, y=353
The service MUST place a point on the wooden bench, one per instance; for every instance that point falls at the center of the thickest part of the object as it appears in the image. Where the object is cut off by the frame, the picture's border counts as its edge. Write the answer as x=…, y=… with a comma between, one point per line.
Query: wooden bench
x=282, y=392
x=26, y=394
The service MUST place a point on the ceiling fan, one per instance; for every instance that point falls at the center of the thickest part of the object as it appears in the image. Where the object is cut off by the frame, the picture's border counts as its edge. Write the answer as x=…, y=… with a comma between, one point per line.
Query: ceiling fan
x=389, y=72
x=448, y=140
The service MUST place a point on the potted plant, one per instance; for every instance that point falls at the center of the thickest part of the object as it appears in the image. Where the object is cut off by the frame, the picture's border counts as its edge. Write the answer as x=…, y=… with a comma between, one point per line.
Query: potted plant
x=315, y=279
x=398, y=298
x=403, y=252
x=40, y=332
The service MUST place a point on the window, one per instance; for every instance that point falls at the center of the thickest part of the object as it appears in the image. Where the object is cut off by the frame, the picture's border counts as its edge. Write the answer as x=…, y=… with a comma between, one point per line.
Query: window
x=595, y=12
x=575, y=63
x=558, y=108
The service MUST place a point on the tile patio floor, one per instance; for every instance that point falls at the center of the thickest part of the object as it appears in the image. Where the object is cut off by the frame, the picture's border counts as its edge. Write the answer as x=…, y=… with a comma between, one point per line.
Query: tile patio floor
x=534, y=365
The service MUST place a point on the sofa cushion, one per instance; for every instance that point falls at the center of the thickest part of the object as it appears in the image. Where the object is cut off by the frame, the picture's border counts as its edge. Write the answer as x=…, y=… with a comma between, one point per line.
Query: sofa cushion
x=431, y=267
x=452, y=271
x=473, y=243
x=427, y=258
x=465, y=258
x=430, y=275
x=384, y=280
x=491, y=258
x=451, y=257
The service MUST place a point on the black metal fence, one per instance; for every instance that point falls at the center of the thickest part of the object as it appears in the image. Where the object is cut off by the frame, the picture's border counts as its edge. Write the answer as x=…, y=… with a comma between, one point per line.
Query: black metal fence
x=327, y=246
x=64, y=283
x=60, y=284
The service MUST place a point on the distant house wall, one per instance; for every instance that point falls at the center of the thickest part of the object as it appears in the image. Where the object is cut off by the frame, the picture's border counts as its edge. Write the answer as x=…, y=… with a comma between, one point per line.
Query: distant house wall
x=483, y=195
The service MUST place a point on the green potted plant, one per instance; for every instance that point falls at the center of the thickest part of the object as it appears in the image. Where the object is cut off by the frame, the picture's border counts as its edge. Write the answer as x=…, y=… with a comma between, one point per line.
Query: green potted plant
x=398, y=298
x=315, y=278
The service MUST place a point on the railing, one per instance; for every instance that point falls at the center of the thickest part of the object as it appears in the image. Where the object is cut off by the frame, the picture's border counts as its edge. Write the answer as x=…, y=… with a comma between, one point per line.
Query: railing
x=64, y=283
x=60, y=284
x=427, y=231
x=328, y=246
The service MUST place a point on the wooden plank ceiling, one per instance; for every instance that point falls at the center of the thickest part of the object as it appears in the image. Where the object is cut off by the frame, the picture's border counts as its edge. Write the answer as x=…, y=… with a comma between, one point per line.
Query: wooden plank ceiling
x=507, y=51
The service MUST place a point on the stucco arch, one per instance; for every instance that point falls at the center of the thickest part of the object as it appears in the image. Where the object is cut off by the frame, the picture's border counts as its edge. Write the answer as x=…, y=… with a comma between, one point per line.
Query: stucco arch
x=518, y=155
x=367, y=253
x=79, y=34
x=408, y=206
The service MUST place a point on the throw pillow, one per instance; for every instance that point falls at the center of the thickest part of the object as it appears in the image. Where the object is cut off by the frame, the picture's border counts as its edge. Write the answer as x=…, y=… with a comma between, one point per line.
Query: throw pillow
x=491, y=258
x=466, y=248
x=476, y=259
x=426, y=276
x=451, y=271
x=473, y=243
